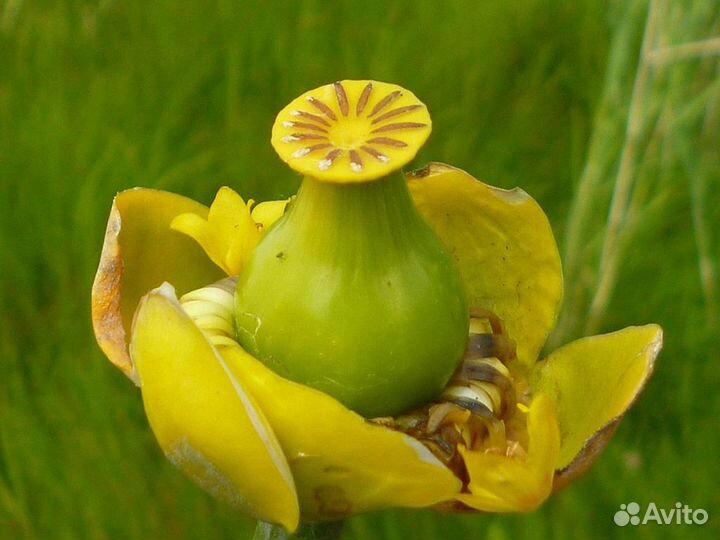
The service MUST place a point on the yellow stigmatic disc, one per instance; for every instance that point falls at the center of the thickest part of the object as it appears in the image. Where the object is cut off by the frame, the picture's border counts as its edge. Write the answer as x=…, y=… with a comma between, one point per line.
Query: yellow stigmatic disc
x=351, y=131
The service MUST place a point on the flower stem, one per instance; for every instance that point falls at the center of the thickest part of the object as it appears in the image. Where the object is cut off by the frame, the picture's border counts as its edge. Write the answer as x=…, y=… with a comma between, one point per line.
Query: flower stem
x=331, y=530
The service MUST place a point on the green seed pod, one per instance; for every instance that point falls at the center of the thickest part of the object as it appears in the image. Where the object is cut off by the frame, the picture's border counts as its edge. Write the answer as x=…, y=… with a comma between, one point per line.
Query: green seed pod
x=352, y=293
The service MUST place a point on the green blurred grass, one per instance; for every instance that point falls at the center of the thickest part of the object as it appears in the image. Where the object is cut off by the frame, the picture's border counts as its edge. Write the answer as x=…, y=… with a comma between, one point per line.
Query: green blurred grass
x=99, y=96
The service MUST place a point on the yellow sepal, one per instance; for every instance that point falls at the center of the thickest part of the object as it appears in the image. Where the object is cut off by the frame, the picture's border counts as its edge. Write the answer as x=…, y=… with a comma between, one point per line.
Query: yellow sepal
x=342, y=464
x=501, y=483
x=140, y=251
x=203, y=417
x=504, y=247
x=594, y=380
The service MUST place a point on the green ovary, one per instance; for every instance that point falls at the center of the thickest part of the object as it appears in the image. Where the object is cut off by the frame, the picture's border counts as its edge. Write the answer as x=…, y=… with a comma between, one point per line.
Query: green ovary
x=353, y=294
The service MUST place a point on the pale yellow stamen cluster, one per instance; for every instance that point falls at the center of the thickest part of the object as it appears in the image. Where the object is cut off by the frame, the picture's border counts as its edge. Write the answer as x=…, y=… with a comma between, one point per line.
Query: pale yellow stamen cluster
x=483, y=393
x=212, y=310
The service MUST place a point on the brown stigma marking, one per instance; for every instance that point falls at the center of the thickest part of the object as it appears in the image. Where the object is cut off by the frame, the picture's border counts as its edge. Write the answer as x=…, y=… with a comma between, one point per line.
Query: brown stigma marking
x=374, y=153
x=329, y=159
x=399, y=125
x=384, y=102
x=294, y=137
x=304, y=125
x=316, y=126
x=302, y=152
x=319, y=105
x=311, y=117
x=387, y=141
x=364, y=97
x=342, y=98
x=396, y=112
x=356, y=163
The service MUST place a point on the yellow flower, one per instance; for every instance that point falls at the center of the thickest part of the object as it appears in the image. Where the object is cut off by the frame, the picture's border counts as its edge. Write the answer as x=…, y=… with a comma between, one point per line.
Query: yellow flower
x=506, y=431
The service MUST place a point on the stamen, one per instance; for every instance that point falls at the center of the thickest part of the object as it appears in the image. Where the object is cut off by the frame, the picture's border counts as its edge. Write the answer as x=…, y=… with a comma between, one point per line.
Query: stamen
x=481, y=345
x=492, y=392
x=473, y=366
x=212, y=309
x=469, y=398
x=478, y=407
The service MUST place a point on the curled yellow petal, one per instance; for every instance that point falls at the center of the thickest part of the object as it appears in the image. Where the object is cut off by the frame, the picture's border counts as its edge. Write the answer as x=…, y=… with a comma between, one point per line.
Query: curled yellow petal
x=228, y=235
x=342, y=464
x=140, y=251
x=351, y=131
x=231, y=229
x=504, y=247
x=266, y=213
x=203, y=417
x=516, y=483
x=593, y=381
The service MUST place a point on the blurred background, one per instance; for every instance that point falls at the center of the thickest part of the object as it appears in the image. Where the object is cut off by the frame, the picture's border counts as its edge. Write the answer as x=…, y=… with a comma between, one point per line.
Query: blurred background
x=607, y=112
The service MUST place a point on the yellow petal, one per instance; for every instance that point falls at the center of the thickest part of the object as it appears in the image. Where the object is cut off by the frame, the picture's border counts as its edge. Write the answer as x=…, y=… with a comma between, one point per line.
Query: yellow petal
x=207, y=424
x=268, y=212
x=594, y=380
x=500, y=483
x=228, y=234
x=342, y=464
x=504, y=247
x=139, y=253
